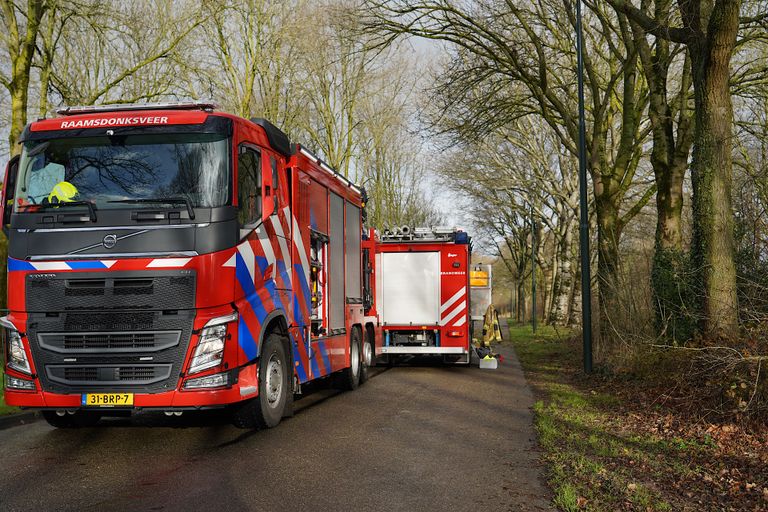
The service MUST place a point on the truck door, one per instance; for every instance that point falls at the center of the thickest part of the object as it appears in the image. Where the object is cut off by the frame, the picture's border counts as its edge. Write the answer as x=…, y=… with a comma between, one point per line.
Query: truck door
x=306, y=316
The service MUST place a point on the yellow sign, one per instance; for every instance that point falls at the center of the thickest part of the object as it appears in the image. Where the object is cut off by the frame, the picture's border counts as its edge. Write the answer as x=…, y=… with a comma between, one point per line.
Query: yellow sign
x=107, y=399
x=479, y=278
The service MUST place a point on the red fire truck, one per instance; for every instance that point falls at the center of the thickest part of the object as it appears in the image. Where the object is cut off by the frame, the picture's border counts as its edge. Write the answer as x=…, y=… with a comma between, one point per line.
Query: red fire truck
x=421, y=290
x=172, y=257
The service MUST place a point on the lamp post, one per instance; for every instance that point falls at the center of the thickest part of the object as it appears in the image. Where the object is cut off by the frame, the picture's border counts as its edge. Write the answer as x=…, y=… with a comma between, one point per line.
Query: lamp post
x=533, y=271
x=586, y=280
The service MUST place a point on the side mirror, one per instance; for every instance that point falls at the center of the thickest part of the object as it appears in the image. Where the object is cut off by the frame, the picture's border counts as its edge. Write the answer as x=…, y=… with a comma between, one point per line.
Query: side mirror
x=267, y=187
x=8, y=194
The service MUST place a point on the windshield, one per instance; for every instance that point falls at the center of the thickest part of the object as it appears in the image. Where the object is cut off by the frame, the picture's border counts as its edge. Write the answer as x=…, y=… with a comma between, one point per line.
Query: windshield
x=110, y=171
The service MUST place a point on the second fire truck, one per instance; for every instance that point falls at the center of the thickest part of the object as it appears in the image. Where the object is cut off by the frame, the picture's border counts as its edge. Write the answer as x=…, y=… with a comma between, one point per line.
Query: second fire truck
x=420, y=292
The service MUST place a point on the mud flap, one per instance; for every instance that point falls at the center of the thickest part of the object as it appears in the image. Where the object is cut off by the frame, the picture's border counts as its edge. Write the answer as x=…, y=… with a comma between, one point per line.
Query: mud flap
x=288, y=411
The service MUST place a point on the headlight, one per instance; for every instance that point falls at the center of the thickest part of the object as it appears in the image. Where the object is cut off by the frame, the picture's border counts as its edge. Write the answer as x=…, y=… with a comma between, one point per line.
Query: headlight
x=17, y=357
x=210, y=348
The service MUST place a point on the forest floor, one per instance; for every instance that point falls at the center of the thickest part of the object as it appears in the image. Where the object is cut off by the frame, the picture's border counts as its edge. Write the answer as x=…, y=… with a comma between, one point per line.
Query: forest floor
x=614, y=443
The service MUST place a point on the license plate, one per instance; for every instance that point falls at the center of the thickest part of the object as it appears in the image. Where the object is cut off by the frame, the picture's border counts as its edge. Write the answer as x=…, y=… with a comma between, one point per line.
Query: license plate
x=107, y=399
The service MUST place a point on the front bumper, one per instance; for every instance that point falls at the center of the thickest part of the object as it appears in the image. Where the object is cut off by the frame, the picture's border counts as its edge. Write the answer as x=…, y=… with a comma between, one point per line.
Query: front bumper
x=198, y=399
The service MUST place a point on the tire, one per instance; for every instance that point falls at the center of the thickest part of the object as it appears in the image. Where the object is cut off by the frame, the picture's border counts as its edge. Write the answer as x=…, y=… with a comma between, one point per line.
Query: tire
x=350, y=377
x=367, y=356
x=79, y=419
x=266, y=410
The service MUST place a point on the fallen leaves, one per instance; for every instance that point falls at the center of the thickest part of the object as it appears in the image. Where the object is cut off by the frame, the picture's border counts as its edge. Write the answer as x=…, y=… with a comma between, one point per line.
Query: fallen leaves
x=640, y=444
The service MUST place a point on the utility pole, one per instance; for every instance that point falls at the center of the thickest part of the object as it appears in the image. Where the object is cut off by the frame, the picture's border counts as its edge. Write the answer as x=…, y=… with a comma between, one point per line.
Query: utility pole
x=533, y=271
x=586, y=279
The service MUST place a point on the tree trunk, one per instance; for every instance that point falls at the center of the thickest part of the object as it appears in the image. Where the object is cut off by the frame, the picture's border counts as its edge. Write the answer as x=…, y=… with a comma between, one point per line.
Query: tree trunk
x=562, y=288
x=19, y=101
x=673, y=301
x=669, y=159
x=21, y=49
x=553, y=281
x=574, y=309
x=608, y=235
x=711, y=171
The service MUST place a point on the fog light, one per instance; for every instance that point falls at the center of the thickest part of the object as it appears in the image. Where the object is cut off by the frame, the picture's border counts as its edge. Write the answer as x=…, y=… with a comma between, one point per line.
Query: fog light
x=14, y=383
x=211, y=381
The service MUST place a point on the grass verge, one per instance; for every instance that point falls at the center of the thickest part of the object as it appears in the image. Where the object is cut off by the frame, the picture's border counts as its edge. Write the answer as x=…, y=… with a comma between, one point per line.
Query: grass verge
x=5, y=409
x=610, y=445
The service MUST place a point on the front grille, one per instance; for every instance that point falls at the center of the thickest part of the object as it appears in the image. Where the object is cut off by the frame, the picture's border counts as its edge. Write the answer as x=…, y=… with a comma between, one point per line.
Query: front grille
x=120, y=351
x=138, y=373
x=108, y=375
x=121, y=290
x=108, y=342
x=81, y=374
x=108, y=321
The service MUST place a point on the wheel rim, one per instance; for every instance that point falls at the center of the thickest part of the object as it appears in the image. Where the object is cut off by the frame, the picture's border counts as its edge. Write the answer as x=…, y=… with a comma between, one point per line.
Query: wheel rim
x=274, y=380
x=355, y=358
x=367, y=354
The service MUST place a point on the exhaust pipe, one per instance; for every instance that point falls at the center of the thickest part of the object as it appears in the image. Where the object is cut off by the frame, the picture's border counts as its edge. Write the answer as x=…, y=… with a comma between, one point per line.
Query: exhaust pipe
x=405, y=230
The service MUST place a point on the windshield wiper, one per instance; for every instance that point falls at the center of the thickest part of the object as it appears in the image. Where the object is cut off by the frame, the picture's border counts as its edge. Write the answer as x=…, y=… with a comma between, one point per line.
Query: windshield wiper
x=63, y=204
x=160, y=200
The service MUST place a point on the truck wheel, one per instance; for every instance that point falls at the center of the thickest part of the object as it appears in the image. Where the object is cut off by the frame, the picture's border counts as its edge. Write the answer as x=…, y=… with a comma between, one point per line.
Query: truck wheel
x=266, y=410
x=350, y=377
x=367, y=356
x=77, y=420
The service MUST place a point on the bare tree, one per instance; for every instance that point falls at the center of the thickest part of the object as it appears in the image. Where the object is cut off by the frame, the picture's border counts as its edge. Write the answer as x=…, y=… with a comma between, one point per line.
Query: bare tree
x=20, y=32
x=252, y=59
x=709, y=30
x=125, y=54
x=500, y=43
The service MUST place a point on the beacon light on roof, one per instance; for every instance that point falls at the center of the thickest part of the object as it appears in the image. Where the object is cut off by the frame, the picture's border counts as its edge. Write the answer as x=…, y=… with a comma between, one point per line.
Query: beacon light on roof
x=125, y=107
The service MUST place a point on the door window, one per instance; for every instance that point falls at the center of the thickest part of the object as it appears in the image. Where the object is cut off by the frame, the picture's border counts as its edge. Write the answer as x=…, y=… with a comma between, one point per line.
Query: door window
x=248, y=188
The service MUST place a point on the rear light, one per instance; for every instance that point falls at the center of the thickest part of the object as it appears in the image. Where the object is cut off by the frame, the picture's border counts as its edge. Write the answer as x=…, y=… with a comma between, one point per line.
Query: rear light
x=454, y=334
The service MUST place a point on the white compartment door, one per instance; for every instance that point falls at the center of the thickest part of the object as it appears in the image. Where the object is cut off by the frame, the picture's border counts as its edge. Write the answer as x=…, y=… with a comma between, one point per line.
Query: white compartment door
x=411, y=288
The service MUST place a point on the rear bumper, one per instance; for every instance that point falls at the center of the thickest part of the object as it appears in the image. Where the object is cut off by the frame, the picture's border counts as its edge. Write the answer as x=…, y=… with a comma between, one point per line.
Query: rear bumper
x=171, y=399
x=424, y=350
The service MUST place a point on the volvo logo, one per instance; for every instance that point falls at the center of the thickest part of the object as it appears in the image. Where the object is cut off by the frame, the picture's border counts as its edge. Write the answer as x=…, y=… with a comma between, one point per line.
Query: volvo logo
x=109, y=241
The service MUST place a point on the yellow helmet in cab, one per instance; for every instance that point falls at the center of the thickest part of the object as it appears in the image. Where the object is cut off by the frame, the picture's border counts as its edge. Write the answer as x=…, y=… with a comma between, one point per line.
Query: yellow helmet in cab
x=63, y=192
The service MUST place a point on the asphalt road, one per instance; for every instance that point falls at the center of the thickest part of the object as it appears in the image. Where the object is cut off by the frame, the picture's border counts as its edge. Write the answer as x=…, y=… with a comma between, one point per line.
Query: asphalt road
x=411, y=438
